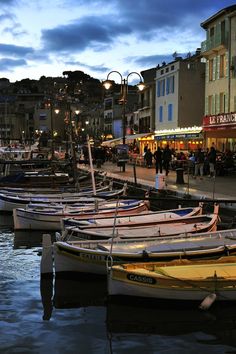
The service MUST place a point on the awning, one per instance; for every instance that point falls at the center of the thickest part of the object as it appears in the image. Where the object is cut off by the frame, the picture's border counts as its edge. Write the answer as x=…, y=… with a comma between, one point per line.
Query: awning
x=112, y=142
x=128, y=138
x=138, y=136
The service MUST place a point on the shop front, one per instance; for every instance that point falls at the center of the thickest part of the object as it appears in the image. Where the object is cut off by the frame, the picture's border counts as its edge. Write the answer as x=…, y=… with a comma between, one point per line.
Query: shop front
x=220, y=130
x=181, y=139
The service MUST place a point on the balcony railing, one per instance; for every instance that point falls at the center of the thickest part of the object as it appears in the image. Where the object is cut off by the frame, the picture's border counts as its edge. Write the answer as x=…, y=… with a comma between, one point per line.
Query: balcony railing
x=217, y=41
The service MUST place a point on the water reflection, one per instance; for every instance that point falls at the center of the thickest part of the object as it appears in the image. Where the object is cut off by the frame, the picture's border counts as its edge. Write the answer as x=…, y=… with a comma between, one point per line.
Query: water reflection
x=6, y=222
x=30, y=238
x=134, y=323
x=39, y=315
x=71, y=292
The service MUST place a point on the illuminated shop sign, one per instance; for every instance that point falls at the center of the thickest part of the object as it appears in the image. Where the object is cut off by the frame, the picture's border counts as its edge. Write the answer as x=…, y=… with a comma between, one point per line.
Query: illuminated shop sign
x=179, y=136
x=219, y=120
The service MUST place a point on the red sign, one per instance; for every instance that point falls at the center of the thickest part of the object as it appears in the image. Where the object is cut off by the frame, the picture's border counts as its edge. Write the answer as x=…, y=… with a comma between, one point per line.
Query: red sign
x=219, y=121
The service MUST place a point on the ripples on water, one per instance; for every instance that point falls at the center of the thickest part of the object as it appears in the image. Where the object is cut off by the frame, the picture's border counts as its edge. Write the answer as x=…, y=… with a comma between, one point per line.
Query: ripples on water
x=74, y=316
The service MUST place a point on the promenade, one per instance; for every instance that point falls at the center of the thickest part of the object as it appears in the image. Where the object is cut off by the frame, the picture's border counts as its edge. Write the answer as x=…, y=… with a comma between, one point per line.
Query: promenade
x=220, y=187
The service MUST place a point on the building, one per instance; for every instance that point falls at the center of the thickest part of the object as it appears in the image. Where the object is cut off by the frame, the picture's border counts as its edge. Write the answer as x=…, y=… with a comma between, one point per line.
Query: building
x=180, y=102
x=114, y=111
x=219, y=50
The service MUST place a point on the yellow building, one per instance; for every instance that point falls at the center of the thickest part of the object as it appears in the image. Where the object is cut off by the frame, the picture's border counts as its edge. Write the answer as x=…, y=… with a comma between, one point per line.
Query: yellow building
x=219, y=50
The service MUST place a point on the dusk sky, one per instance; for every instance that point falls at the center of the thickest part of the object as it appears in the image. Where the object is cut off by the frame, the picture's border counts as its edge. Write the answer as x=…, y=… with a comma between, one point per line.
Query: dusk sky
x=97, y=36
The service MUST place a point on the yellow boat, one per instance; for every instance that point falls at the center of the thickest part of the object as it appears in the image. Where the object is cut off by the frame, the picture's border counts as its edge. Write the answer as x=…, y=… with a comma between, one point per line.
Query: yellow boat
x=205, y=281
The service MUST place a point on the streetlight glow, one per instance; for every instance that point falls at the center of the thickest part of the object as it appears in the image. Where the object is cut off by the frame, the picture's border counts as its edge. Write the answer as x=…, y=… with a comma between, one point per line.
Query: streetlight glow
x=124, y=93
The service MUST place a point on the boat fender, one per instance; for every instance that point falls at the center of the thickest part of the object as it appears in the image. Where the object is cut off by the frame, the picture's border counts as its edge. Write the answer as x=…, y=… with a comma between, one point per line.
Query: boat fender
x=109, y=262
x=226, y=250
x=208, y=301
x=145, y=254
x=58, y=236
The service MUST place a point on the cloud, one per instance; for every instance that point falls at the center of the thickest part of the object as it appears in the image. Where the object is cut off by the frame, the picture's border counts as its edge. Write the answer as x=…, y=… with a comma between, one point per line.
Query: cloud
x=7, y=64
x=14, y=50
x=131, y=31
x=144, y=20
x=4, y=17
x=97, y=68
x=88, y=32
x=150, y=60
x=14, y=30
x=8, y=2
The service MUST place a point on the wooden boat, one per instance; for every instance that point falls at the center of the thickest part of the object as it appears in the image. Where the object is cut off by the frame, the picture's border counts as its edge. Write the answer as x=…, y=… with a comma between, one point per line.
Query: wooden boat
x=92, y=256
x=35, y=179
x=204, y=280
x=50, y=217
x=9, y=202
x=134, y=219
x=171, y=227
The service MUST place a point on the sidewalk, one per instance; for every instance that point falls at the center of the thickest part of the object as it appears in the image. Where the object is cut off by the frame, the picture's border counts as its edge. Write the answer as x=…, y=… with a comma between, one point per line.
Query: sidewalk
x=220, y=187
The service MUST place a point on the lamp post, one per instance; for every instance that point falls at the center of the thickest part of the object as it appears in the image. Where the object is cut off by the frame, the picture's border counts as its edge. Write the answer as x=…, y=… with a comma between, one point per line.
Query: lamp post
x=124, y=94
x=56, y=111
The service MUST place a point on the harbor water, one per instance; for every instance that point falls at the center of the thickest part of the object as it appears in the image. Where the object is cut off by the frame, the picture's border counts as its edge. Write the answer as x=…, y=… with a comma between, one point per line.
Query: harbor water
x=73, y=315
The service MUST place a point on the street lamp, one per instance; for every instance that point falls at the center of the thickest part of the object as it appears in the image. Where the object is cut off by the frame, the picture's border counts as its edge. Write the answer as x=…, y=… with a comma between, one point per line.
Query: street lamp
x=56, y=111
x=124, y=94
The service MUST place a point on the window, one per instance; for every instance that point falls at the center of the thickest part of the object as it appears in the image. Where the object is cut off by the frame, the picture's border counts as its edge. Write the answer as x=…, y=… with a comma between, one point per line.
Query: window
x=222, y=66
x=211, y=64
x=161, y=114
x=212, y=31
x=167, y=85
x=222, y=102
x=222, y=30
x=170, y=112
x=161, y=88
x=170, y=84
x=172, y=67
x=210, y=100
x=158, y=89
x=167, y=70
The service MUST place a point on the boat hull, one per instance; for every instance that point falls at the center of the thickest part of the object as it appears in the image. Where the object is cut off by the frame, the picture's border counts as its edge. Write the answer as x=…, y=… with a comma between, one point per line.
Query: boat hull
x=94, y=256
x=190, y=283
x=29, y=220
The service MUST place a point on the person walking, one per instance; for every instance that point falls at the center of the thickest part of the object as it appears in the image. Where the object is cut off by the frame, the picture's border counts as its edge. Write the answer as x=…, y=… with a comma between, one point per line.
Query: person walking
x=167, y=155
x=148, y=157
x=212, y=161
x=158, y=156
x=199, y=163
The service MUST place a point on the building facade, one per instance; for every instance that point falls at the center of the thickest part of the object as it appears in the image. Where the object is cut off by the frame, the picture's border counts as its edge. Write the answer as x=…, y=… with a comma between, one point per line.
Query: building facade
x=180, y=102
x=219, y=50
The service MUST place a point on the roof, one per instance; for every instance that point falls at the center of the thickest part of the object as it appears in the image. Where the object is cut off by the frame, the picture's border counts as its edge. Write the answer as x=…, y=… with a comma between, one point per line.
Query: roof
x=220, y=13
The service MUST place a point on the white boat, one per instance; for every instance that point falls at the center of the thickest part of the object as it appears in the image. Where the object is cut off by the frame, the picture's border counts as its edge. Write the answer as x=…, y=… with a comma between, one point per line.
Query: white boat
x=145, y=218
x=93, y=256
x=170, y=227
x=50, y=217
x=8, y=202
x=184, y=280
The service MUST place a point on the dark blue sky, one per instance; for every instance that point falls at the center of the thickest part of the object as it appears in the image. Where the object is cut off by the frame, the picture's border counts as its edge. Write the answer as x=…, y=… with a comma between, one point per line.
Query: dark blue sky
x=97, y=36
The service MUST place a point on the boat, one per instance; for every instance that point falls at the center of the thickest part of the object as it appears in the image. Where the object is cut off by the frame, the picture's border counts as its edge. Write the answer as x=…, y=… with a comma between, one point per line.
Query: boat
x=149, y=218
x=185, y=280
x=8, y=202
x=84, y=187
x=92, y=257
x=50, y=217
x=169, y=227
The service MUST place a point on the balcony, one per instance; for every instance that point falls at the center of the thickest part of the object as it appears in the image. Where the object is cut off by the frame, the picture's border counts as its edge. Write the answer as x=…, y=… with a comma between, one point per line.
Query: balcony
x=213, y=44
